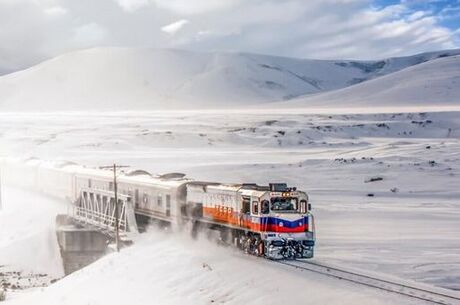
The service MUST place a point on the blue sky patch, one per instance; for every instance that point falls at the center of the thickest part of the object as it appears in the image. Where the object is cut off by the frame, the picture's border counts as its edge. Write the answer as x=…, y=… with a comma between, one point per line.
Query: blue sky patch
x=447, y=12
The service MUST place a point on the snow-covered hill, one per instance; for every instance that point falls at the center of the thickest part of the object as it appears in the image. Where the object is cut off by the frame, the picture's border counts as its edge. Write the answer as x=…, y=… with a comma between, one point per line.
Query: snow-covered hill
x=151, y=79
x=434, y=83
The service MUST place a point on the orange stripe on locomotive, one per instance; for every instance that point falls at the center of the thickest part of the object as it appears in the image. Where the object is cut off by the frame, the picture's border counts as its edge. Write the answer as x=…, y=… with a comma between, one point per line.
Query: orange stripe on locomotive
x=228, y=216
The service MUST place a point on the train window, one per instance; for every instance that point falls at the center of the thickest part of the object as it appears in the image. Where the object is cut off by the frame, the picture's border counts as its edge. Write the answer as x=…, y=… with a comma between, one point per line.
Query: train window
x=145, y=199
x=265, y=208
x=89, y=183
x=168, y=205
x=160, y=200
x=110, y=186
x=283, y=204
x=136, y=197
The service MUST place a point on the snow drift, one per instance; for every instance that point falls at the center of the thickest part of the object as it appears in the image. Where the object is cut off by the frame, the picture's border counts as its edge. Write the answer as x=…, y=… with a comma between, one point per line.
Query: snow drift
x=28, y=238
x=149, y=79
x=171, y=269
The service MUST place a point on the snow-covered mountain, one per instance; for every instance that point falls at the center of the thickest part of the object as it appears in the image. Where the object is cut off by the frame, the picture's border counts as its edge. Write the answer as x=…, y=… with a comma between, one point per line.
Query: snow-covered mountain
x=435, y=83
x=151, y=79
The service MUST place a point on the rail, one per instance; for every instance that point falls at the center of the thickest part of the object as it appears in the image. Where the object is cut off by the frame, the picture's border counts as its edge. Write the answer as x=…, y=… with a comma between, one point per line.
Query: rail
x=374, y=282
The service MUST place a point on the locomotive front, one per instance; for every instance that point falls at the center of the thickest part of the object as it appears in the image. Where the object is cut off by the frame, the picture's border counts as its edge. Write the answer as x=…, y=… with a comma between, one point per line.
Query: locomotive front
x=287, y=224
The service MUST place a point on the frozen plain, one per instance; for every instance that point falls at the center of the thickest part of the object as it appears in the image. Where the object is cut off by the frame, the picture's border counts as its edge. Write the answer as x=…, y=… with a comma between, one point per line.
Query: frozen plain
x=409, y=228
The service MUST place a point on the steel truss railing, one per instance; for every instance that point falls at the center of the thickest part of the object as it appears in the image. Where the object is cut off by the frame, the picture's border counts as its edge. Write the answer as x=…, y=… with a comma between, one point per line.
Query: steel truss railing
x=97, y=207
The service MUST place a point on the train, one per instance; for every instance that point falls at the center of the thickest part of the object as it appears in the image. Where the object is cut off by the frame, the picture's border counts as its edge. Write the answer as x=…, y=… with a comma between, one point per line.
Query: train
x=274, y=221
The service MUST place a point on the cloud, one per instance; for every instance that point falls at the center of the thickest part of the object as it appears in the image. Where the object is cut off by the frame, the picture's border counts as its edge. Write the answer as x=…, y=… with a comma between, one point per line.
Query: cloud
x=55, y=11
x=417, y=15
x=132, y=5
x=174, y=27
x=181, y=7
x=192, y=7
x=450, y=12
x=33, y=30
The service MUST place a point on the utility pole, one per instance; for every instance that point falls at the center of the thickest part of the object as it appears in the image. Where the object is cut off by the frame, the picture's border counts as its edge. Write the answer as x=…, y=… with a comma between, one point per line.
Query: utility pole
x=115, y=191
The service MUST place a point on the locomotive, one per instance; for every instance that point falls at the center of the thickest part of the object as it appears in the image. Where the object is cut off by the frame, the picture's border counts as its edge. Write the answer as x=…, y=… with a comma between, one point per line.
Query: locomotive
x=274, y=221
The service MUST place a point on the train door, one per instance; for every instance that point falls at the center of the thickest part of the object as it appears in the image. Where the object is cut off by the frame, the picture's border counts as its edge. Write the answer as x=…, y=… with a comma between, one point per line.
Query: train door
x=246, y=205
x=256, y=219
x=168, y=205
x=254, y=206
x=245, y=210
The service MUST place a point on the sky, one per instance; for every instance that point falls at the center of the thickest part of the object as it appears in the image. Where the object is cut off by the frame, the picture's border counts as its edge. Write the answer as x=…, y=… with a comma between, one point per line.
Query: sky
x=35, y=30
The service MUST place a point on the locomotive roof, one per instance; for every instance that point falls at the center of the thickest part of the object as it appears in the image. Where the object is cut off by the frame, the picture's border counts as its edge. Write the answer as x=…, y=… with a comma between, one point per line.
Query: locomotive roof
x=232, y=188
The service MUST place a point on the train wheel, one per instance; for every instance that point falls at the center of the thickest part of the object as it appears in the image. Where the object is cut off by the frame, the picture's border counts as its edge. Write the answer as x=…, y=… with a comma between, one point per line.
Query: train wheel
x=236, y=238
x=261, y=248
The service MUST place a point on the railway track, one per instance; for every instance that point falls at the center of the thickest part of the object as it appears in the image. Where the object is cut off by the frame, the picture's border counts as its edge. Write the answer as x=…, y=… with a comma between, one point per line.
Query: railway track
x=429, y=296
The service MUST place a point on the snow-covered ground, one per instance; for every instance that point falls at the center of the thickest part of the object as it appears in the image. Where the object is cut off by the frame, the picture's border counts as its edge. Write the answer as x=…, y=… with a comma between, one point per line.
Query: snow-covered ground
x=409, y=228
x=28, y=237
x=165, y=268
x=168, y=268
x=29, y=254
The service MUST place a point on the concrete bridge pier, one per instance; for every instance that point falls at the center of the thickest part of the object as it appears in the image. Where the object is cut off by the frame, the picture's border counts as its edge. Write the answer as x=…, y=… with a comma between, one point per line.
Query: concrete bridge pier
x=79, y=246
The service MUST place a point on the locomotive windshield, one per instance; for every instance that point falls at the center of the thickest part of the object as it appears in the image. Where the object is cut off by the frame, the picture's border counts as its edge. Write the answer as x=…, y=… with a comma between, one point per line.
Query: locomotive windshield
x=283, y=204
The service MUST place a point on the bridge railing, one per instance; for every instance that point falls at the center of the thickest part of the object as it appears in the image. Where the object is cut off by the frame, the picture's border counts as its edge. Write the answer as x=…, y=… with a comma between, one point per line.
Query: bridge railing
x=97, y=208
x=98, y=219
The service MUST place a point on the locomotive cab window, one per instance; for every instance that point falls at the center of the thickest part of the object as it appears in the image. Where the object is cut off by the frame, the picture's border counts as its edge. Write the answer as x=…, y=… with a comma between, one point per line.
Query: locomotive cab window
x=265, y=207
x=283, y=204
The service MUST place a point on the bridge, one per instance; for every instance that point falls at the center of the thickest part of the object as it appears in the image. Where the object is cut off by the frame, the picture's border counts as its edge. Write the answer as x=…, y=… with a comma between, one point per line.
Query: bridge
x=84, y=234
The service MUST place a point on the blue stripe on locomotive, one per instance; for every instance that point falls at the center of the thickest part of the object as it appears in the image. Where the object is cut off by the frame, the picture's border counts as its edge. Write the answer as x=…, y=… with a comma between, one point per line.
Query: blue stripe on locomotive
x=286, y=223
